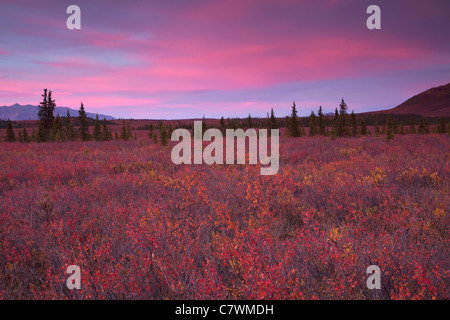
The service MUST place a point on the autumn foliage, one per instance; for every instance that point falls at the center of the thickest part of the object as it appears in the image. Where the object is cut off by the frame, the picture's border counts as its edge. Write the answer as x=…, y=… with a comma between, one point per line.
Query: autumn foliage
x=141, y=227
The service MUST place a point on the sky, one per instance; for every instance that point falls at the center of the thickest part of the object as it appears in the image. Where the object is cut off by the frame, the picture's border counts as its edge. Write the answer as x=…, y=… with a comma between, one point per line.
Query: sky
x=175, y=59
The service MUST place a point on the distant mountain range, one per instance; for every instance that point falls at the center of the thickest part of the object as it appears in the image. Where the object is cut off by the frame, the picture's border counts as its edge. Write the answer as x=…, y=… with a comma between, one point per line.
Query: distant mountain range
x=434, y=102
x=30, y=112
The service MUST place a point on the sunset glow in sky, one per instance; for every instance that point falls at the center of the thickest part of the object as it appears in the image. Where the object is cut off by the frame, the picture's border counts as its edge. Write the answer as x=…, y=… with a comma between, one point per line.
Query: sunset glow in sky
x=188, y=58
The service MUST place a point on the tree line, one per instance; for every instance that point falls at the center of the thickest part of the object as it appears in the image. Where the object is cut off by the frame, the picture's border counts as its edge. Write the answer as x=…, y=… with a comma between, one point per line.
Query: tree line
x=348, y=125
x=342, y=124
x=57, y=129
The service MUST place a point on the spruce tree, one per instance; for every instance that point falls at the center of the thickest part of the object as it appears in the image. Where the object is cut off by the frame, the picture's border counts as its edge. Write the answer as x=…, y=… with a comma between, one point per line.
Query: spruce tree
x=422, y=127
x=395, y=126
x=343, y=127
x=293, y=125
x=150, y=131
x=169, y=131
x=354, y=124
x=412, y=127
x=35, y=136
x=56, y=134
x=427, y=126
x=273, y=120
x=390, y=131
x=363, y=128
x=97, y=135
x=25, y=136
x=287, y=120
x=129, y=135
x=333, y=133
x=302, y=129
x=10, y=135
x=322, y=129
x=268, y=125
x=204, y=125
x=51, y=105
x=249, y=121
x=442, y=126
x=163, y=136
x=40, y=134
x=222, y=125
x=123, y=131
x=106, y=131
x=312, y=124
x=42, y=114
x=335, y=127
x=70, y=132
x=42, y=108
x=84, y=124
x=45, y=115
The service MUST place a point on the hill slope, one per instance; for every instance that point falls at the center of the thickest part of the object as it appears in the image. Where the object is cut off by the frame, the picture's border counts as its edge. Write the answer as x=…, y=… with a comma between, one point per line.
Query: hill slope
x=434, y=102
x=30, y=112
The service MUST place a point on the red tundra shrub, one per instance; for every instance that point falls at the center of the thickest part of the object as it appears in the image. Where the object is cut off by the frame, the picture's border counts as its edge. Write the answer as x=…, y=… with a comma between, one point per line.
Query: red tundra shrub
x=141, y=227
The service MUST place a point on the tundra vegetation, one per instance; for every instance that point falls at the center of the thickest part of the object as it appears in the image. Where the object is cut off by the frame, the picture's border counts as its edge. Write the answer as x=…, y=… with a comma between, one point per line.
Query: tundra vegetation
x=141, y=227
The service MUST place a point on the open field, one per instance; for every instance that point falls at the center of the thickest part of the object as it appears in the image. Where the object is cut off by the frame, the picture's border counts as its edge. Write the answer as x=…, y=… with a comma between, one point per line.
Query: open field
x=141, y=227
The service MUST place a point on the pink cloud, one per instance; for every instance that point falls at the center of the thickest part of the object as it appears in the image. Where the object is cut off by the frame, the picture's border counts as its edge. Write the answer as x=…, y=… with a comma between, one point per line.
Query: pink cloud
x=160, y=55
x=252, y=65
